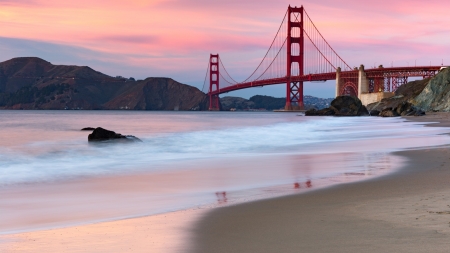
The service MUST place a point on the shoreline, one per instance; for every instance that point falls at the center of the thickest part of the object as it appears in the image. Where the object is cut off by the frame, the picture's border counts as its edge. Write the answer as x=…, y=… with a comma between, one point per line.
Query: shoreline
x=178, y=229
x=405, y=211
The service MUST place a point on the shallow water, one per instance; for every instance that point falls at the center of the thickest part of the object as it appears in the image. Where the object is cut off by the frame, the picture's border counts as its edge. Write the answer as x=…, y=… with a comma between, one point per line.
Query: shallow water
x=50, y=176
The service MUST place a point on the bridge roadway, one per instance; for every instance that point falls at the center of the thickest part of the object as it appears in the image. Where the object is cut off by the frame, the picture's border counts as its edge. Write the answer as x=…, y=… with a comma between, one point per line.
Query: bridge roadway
x=376, y=73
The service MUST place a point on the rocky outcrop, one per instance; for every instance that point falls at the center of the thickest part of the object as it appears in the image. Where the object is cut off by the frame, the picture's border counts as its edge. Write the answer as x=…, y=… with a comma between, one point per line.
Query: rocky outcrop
x=322, y=112
x=101, y=134
x=403, y=94
x=417, y=97
x=388, y=112
x=88, y=129
x=403, y=109
x=341, y=106
x=349, y=106
x=32, y=83
x=436, y=95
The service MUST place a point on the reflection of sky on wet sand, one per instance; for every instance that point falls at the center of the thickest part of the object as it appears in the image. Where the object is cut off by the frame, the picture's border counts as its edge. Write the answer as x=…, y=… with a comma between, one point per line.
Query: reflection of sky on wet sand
x=164, y=233
x=206, y=185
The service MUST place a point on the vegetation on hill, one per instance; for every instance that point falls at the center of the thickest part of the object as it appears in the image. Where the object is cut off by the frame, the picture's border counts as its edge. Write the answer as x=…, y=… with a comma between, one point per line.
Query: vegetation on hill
x=270, y=103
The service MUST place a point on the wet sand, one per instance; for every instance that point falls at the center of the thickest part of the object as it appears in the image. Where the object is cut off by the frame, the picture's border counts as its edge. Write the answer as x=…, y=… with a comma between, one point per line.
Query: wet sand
x=159, y=233
x=408, y=211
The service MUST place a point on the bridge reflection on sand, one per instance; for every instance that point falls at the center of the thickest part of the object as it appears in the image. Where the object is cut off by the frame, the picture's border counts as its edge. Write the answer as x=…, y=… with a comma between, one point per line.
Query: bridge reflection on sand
x=307, y=172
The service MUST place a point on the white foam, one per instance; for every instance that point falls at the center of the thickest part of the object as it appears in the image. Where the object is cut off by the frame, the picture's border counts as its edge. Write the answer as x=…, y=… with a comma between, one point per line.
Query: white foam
x=66, y=158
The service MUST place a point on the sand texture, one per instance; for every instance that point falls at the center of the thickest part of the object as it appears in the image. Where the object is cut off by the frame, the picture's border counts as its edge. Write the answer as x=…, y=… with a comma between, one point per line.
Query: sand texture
x=408, y=211
x=405, y=212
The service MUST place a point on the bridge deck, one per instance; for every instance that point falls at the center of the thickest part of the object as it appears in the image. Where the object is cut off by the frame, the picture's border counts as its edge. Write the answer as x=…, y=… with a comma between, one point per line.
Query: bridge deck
x=421, y=71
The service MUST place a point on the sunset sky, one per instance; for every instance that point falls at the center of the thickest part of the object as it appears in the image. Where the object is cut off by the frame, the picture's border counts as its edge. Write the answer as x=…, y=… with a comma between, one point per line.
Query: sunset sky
x=173, y=38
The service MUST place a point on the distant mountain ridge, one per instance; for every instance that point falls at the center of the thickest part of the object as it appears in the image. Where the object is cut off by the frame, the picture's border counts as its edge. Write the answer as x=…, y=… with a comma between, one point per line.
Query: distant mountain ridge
x=33, y=83
x=270, y=103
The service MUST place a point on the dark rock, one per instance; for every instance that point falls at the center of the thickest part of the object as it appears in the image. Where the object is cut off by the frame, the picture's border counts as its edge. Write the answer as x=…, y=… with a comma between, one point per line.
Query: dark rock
x=311, y=112
x=88, y=129
x=101, y=134
x=388, y=112
x=341, y=106
x=374, y=113
x=323, y=112
x=412, y=111
x=419, y=112
x=403, y=108
x=436, y=95
x=363, y=111
x=405, y=93
x=327, y=111
x=349, y=106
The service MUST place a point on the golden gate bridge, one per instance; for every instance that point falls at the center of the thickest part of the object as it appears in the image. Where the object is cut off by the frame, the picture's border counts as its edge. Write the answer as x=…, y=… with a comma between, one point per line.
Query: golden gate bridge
x=299, y=53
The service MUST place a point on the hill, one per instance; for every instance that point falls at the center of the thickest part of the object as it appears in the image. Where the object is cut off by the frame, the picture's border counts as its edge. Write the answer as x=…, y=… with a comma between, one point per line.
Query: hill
x=33, y=83
x=270, y=103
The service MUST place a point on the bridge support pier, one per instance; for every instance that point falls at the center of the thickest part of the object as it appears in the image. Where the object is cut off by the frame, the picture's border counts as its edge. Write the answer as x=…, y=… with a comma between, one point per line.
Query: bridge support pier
x=363, y=82
x=338, y=82
x=214, y=103
x=294, y=96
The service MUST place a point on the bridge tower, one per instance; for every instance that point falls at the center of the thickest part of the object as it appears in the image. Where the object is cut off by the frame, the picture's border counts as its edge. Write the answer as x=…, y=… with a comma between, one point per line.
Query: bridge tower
x=295, y=58
x=213, y=82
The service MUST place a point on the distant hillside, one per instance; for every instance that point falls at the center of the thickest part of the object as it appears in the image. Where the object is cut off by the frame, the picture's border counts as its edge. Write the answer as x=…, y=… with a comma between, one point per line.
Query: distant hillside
x=270, y=103
x=32, y=83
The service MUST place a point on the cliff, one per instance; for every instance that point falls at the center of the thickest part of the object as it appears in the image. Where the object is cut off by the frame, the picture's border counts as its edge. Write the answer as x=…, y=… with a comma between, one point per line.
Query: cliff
x=32, y=83
x=436, y=95
x=430, y=94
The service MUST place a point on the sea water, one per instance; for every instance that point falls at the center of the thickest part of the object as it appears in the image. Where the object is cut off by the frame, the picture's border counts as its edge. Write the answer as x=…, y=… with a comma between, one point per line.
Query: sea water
x=50, y=176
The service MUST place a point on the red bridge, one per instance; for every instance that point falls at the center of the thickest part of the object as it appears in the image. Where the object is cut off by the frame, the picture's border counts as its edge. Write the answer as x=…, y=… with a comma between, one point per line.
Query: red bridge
x=299, y=53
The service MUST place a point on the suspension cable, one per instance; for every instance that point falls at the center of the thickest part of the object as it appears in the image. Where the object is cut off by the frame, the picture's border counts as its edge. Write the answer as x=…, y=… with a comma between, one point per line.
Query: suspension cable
x=206, y=76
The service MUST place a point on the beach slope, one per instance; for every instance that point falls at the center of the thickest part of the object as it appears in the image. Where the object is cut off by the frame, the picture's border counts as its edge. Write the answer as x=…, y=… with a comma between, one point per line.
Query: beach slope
x=408, y=211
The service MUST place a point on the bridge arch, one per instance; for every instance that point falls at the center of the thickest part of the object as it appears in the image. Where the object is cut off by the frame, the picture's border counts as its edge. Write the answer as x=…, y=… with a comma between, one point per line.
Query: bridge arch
x=349, y=89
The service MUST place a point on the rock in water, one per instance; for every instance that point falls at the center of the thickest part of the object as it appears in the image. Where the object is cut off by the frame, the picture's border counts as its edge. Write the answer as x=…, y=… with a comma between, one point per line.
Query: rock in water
x=101, y=134
x=349, y=106
x=88, y=129
x=323, y=112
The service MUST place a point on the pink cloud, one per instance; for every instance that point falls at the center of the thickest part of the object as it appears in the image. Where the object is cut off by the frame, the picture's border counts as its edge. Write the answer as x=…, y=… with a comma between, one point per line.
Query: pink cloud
x=180, y=34
x=130, y=39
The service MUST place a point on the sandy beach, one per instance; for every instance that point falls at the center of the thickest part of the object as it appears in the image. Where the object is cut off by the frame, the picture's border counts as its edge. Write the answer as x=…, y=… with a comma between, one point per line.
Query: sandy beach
x=408, y=211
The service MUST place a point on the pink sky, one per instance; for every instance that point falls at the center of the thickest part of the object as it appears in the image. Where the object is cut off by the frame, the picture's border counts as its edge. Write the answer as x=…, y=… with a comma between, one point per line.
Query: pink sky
x=174, y=38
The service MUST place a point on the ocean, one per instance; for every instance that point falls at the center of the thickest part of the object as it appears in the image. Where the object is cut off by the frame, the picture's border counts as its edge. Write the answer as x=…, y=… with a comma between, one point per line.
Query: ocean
x=50, y=176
